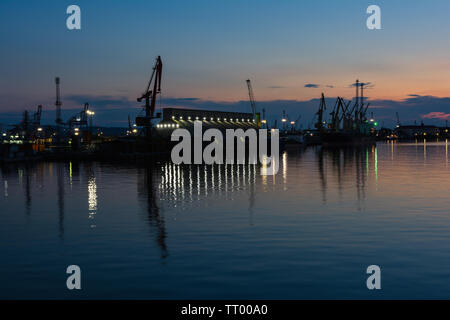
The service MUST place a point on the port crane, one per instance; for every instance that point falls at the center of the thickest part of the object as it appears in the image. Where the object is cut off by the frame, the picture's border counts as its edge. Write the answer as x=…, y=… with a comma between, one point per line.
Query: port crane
x=340, y=113
x=297, y=123
x=398, y=119
x=37, y=117
x=252, y=97
x=80, y=119
x=322, y=108
x=335, y=114
x=353, y=119
x=150, y=96
x=29, y=125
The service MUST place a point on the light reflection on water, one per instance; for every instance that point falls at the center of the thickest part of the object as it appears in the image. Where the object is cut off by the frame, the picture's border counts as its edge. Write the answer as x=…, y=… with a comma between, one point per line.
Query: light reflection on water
x=168, y=231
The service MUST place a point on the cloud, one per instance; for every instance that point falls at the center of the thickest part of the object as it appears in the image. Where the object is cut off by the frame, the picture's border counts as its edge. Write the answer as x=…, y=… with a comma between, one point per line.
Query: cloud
x=367, y=85
x=114, y=110
x=276, y=87
x=437, y=115
x=413, y=108
x=311, y=85
x=330, y=86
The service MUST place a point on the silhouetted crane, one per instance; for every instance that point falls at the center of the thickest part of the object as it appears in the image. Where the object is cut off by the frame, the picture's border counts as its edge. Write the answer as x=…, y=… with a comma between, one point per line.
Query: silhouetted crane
x=252, y=97
x=322, y=108
x=150, y=96
x=37, y=117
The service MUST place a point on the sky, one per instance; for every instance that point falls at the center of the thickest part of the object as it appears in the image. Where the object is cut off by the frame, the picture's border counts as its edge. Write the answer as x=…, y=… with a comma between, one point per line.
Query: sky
x=292, y=50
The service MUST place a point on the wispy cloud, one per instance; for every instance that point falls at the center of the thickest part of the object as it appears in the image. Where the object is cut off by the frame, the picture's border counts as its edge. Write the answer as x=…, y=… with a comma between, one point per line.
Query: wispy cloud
x=311, y=85
x=437, y=115
x=367, y=85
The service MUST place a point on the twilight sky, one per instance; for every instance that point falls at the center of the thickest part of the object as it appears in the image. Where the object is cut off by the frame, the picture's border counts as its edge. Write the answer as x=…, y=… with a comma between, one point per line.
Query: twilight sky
x=292, y=51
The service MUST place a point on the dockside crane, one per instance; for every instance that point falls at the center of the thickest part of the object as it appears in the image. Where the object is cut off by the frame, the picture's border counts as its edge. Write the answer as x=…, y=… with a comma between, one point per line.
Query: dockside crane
x=80, y=119
x=37, y=117
x=322, y=108
x=345, y=109
x=398, y=119
x=365, y=110
x=335, y=115
x=297, y=123
x=28, y=127
x=150, y=97
x=252, y=97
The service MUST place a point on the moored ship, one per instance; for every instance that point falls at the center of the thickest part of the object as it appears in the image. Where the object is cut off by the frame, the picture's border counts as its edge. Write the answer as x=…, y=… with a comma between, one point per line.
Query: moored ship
x=348, y=125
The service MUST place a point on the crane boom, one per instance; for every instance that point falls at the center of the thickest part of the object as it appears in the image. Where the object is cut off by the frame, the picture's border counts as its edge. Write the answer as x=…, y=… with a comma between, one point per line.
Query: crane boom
x=252, y=97
x=150, y=95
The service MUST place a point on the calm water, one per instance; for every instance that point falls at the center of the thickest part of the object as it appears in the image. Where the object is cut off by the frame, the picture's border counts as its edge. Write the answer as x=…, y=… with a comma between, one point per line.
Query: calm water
x=227, y=232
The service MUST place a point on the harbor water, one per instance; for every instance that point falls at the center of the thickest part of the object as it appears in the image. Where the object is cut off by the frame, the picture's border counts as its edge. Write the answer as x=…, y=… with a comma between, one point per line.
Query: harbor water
x=162, y=231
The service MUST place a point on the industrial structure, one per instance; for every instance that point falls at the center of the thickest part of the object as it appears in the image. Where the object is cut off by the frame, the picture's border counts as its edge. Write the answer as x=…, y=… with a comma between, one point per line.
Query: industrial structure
x=347, y=125
x=150, y=99
x=30, y=127
x=251, y=97
x=174, y=118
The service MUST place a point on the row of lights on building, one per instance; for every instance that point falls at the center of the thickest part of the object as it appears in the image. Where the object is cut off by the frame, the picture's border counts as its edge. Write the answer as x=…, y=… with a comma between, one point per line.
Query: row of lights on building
x=168, y=125
x=212, y=119
x=424, y=133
